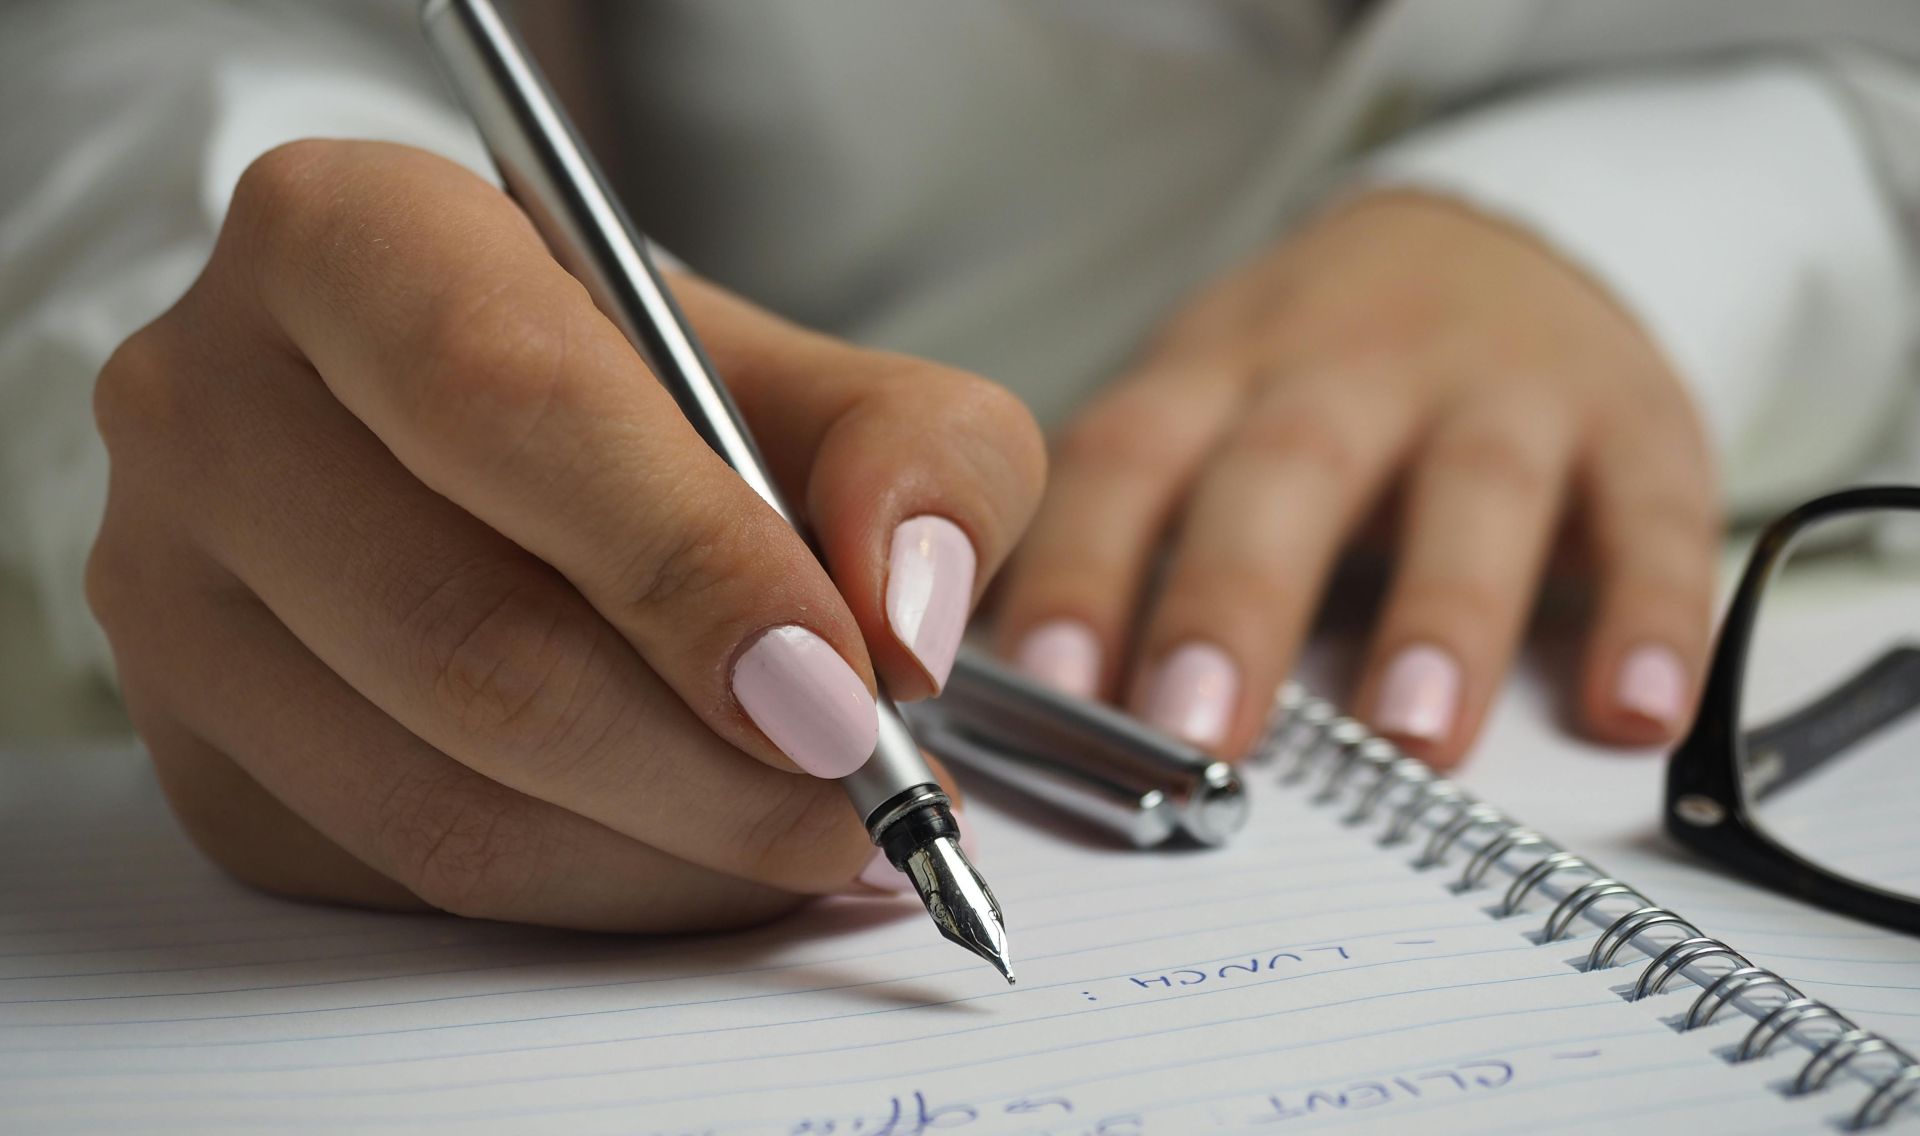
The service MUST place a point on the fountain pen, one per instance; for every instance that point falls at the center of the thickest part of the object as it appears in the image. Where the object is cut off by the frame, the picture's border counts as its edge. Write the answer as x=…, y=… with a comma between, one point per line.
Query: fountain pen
x=546, y=167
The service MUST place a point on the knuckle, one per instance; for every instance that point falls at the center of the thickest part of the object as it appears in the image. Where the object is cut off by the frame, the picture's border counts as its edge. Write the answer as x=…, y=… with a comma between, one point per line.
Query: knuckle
x=676, y=565
x=137, y=394
x=464, y=847
x=495, y=356
x=511, y=663
x=1494, y=461
x=284, y=185
x=1265, y=593
x=1124, y=432
x=1470, y=604
x=1666, y=533
x=106, y=584
x=1306, y=433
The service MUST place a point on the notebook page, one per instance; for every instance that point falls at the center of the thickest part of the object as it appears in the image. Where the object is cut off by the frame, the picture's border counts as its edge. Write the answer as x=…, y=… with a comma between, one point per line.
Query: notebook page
x=1301, y=979
x=1606, y=806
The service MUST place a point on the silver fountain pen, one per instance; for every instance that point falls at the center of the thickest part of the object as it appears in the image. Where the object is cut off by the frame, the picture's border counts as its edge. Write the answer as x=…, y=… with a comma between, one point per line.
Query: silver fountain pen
x=547, y=169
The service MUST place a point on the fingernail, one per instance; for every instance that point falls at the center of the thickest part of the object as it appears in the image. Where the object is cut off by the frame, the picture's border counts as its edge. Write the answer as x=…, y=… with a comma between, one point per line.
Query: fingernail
x=1193, y=694
x=1653, y=684
x=929, y=590
x=1419, y=695
x=1064, y=654
x=807, y=700
x=881, y=875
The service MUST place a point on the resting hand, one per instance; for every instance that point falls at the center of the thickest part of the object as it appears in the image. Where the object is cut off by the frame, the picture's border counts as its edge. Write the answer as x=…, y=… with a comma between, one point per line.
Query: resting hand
x=1397, y=341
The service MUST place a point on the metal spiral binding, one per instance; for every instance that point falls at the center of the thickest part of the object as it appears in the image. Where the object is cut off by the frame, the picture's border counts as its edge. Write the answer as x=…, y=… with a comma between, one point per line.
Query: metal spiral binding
x=1388, y=775
x=1892, y=1093
x=1513, y=838
x=1836, y=1053
x=1741, y=978
x=1346, y=750
x=1469, y=816
x=1537, y=874
x=1676, y=956
x=1622, y=930
x=1560, y=920
x=1416, y=807
x=1339, y=735
x=1307, y=733
x=1779, y=1020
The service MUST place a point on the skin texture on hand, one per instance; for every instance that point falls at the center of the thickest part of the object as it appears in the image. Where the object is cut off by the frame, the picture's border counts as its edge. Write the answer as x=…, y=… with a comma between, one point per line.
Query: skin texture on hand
x=423, y=591
x=1404, y=348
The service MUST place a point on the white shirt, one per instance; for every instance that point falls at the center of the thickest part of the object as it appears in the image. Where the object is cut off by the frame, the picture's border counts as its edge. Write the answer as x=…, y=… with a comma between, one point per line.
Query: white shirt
x=1020, y=188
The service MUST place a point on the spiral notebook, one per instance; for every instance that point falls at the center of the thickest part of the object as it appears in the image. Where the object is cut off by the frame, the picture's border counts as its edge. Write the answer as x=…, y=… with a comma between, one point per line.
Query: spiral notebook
x=1369, y=957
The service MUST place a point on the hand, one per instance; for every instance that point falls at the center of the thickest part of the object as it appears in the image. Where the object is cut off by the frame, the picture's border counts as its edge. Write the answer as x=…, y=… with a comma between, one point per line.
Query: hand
x=423, y=591
x=1400, y=339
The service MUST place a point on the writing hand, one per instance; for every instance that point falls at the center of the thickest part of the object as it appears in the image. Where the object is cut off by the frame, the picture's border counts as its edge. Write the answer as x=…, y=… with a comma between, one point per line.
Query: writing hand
x=422, y=589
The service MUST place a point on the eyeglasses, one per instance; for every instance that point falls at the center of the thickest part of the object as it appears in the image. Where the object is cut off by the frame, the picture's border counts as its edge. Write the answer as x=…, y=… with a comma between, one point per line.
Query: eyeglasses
x=1802, y=770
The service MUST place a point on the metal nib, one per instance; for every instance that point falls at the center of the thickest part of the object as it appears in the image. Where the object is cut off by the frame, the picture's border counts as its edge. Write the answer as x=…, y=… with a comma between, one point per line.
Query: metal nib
x=959, y=901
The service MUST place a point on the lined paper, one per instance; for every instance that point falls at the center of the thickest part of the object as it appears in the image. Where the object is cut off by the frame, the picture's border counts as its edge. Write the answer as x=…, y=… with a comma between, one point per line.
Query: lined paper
x=1301, y=979
x=1606, y=804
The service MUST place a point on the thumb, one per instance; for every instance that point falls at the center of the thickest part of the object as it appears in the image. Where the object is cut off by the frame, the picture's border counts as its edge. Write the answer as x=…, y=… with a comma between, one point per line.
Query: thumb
x=916, y=478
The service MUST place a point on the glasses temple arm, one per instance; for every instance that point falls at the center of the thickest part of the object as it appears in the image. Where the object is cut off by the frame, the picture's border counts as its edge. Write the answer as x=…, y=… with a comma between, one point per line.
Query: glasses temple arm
x=1783, y=751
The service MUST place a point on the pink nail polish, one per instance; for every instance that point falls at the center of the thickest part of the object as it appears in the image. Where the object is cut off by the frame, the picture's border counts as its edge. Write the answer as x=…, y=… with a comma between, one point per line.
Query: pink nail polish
x=930, y=590
x=881, y=875
x=1420, y=695
x=807, y=700
x=1653, y=684
x=1064, y=654
x=1194, y=693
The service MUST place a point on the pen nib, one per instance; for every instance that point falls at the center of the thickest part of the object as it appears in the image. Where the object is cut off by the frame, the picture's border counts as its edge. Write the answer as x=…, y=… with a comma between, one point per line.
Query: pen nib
x=959, y=901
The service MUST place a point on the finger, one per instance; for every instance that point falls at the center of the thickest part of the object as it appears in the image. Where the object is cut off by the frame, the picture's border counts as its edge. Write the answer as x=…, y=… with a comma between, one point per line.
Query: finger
x=469, y=643
x=1483, y=500
x=247, y=831
x=918, y=479
x=1654, y=529
x=454, y=839
x=1119, y=472
x=432, y=311
x=1265, y=523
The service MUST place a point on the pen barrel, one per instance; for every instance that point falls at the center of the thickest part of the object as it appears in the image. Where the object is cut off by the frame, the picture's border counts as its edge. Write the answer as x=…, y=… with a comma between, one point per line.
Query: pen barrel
x=1022, y=732
x=1143, y=817
x=549, y=172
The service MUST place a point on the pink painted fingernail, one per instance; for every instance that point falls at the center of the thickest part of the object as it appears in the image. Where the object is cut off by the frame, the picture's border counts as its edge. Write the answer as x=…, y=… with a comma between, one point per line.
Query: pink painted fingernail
x=1653, y=684
x=807, y=700
x=1419, y=695
x=929, y=591
x=1064, y=654
x=1193, y=694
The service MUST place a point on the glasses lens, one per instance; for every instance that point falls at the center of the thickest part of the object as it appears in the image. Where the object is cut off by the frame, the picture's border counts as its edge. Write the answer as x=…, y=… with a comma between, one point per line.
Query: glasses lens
x=1830, y=705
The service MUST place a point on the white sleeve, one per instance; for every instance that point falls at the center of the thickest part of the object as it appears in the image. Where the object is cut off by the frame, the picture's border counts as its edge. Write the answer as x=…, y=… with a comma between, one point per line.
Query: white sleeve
x=134, y=121
x=1736, y=210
